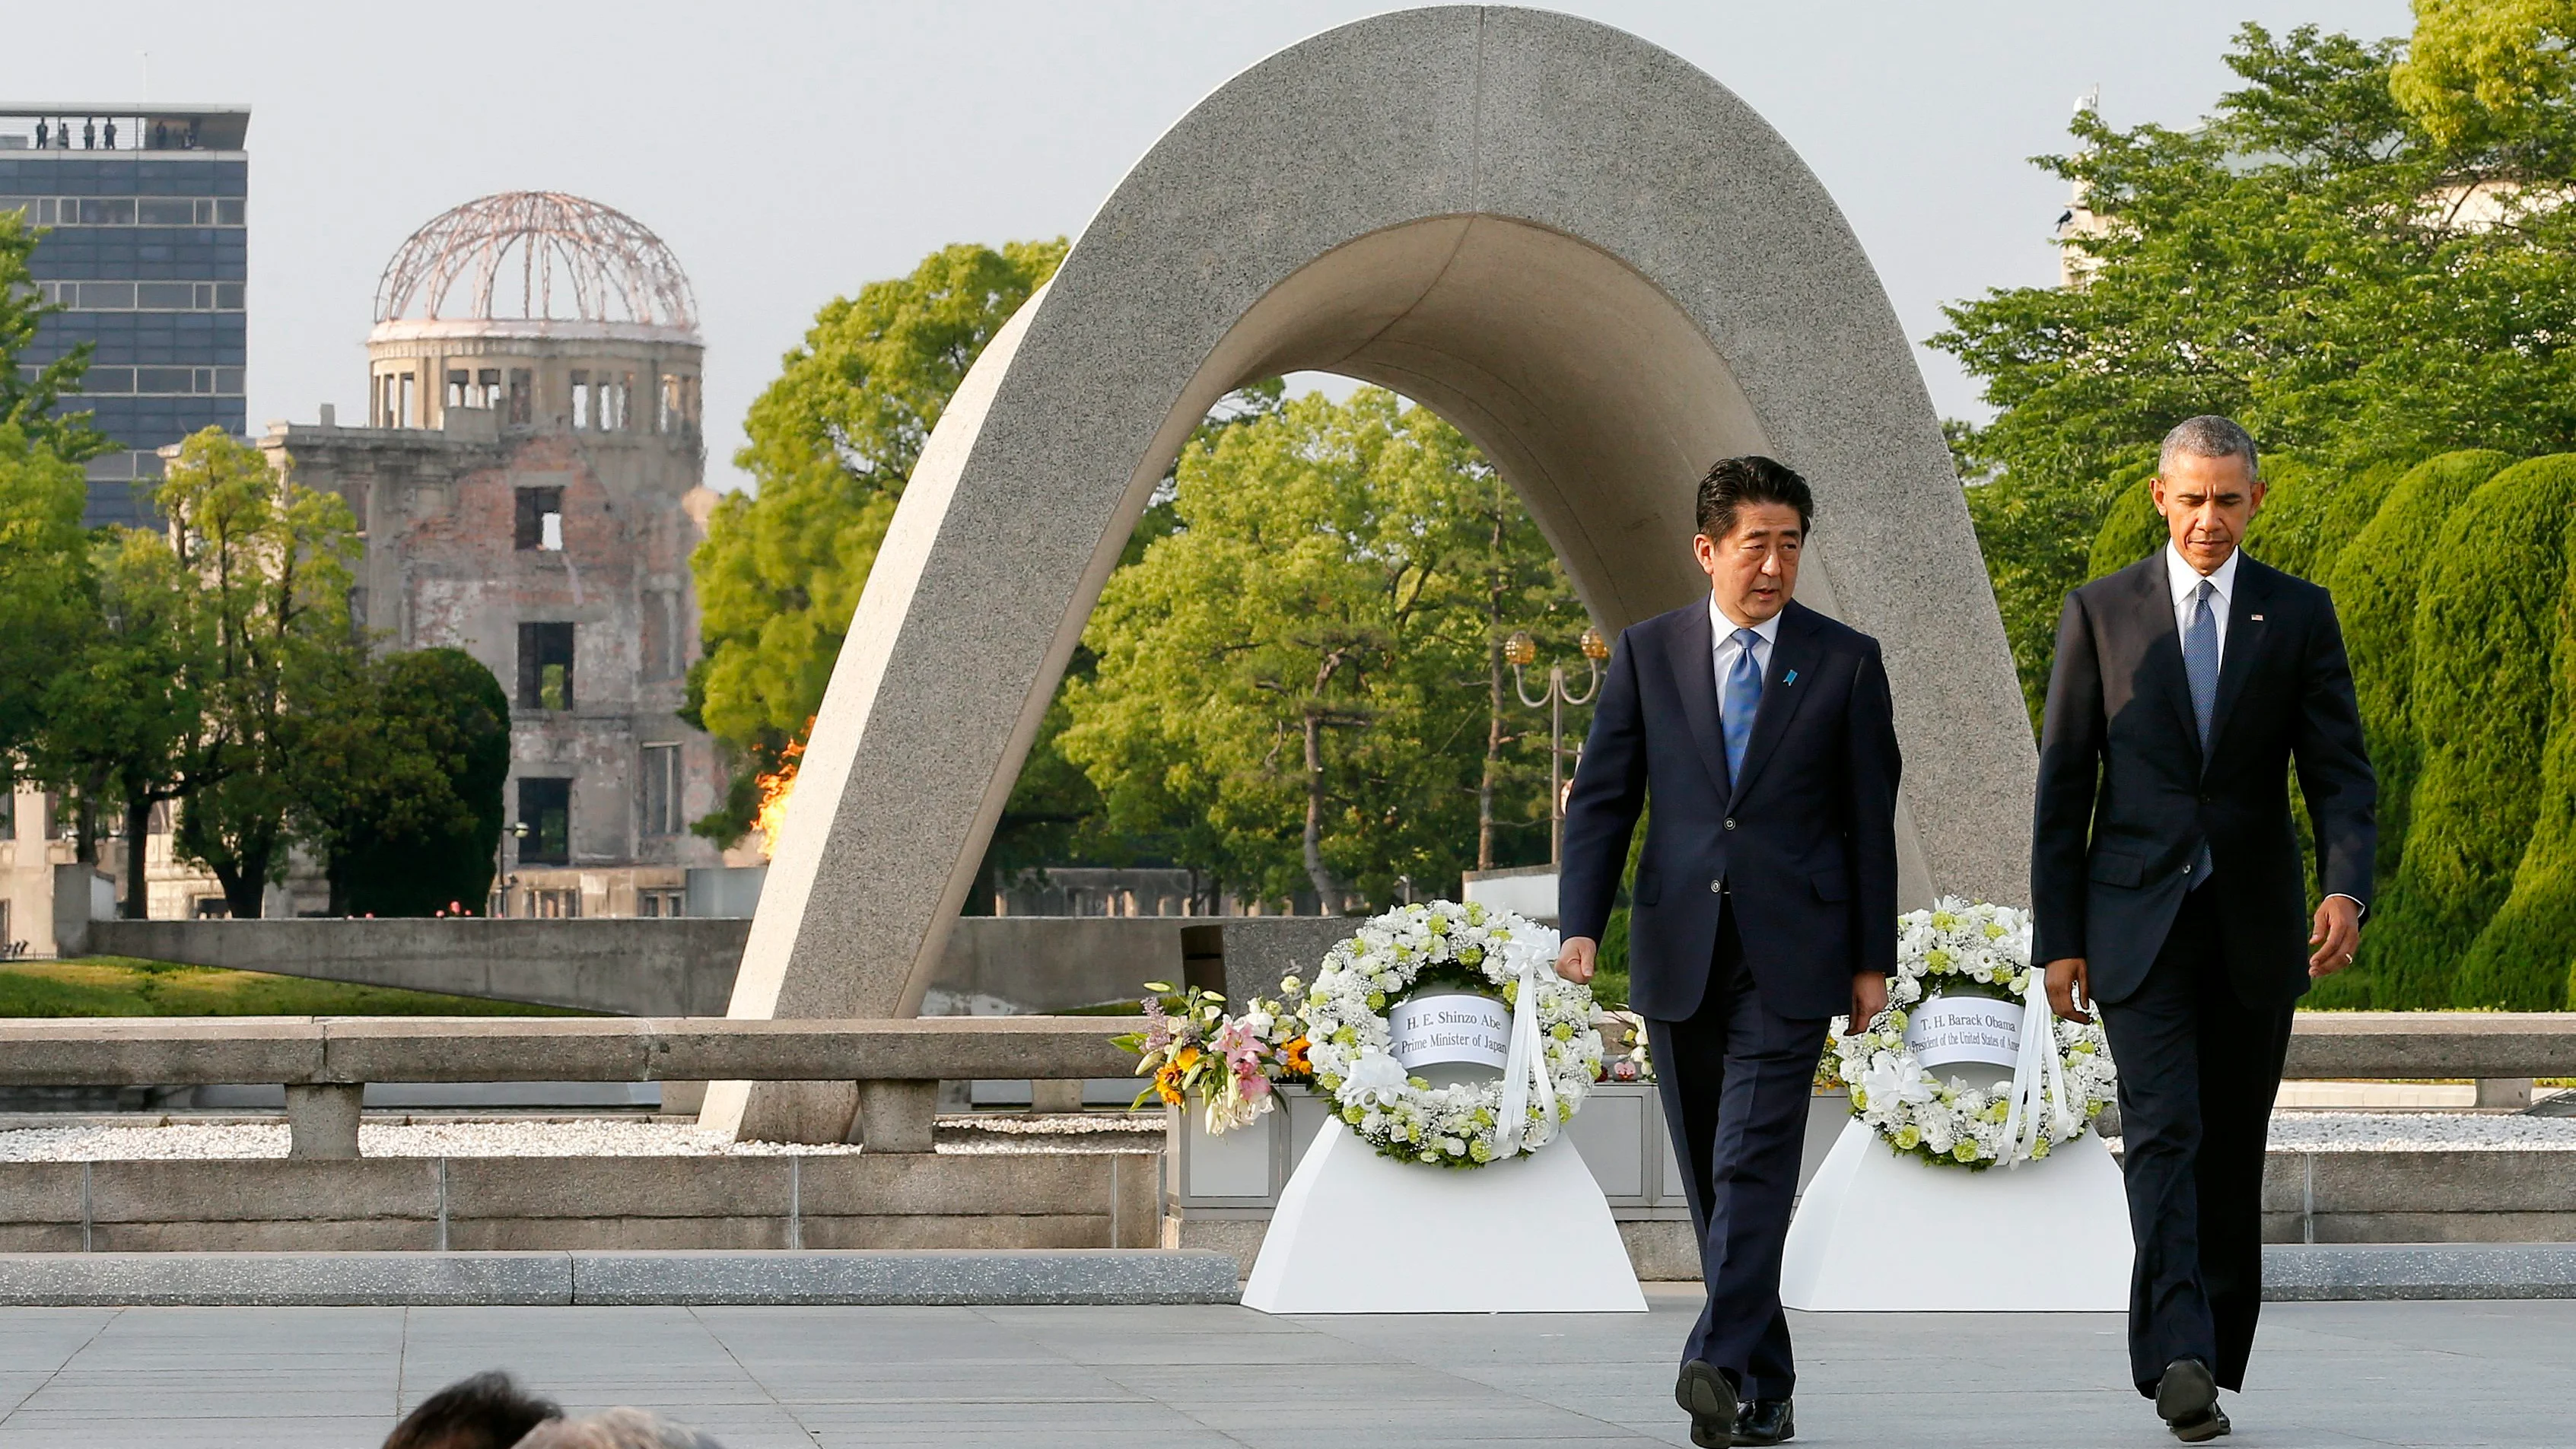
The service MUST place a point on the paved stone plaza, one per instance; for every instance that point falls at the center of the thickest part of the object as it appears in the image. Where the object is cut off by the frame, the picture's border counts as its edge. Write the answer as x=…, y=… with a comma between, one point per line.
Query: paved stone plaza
x=2328, y=1374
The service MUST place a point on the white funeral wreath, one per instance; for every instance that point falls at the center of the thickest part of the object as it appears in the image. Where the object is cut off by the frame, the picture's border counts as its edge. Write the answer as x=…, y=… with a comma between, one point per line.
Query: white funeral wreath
x=1554, y=1056
x=2063, y=1078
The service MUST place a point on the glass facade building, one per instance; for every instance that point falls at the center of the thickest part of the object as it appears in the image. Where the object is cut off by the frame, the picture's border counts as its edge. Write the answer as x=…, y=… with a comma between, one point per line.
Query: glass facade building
x=146, y=253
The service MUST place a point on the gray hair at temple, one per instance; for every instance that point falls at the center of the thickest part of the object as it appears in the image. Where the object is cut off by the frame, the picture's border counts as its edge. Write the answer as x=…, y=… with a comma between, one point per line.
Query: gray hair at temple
x=2209, y=436
x=616, y=1429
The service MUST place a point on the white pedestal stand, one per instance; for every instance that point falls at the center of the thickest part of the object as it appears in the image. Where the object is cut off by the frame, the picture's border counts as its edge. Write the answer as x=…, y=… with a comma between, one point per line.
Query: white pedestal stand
x=1356, y=1233
x=1883, y=1233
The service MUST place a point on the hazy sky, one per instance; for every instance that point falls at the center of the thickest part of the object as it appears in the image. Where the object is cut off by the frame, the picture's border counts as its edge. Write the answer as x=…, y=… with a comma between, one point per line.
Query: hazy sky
x=788, y=153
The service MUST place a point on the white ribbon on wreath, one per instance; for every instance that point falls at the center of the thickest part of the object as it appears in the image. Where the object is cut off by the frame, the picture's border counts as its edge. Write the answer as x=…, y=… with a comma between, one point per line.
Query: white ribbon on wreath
x=1525, y=1070
x=2038, y=1104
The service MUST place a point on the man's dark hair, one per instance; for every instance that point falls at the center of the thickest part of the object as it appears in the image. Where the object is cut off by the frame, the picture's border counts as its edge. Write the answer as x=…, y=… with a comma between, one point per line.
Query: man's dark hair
x=487, y=1411
x=1752, y=478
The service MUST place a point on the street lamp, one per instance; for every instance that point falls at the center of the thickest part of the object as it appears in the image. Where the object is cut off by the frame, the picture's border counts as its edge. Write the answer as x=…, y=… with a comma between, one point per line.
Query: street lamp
x=1522, y=651
x=518, y=832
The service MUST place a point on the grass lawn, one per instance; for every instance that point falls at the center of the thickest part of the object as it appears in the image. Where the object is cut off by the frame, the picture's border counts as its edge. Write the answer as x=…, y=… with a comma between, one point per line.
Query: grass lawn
x=120, y=986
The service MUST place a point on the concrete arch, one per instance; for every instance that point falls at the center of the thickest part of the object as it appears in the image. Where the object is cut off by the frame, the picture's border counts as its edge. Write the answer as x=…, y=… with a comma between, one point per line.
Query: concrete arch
x=1591, y=257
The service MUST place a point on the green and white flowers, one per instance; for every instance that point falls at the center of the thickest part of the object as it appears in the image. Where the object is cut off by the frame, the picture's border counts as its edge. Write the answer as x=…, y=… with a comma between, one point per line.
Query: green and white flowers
x=1962, y=948
x=1442, y=943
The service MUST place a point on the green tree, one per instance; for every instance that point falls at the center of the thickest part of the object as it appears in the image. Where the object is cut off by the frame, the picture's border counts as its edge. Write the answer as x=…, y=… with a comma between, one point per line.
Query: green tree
x=2378, y=583
x=2485, y=642
x=2351, y=280
x=269, y=565
x=1294, y=686
x=31, y=395
x=124, y=719
x=400, y=782
x=46, y=592
x=833, y=440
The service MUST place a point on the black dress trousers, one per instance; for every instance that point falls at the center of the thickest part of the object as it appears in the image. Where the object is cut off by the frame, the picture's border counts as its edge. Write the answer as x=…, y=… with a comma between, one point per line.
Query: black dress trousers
x=1736, y=1078
x=2198, y=1071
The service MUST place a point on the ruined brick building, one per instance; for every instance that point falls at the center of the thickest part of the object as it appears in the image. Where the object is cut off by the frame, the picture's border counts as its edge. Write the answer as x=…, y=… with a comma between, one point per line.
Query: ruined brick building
x=530, y=482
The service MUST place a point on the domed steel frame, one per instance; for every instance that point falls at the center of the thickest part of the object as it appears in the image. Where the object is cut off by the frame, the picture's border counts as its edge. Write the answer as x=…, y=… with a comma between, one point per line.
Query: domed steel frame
x=563, y=249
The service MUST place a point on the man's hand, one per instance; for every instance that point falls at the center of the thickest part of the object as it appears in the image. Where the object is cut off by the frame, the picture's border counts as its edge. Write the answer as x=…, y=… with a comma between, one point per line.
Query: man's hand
x=1869, y=998
x=2069, y=992
x=2336, y=935
x=1576, y=959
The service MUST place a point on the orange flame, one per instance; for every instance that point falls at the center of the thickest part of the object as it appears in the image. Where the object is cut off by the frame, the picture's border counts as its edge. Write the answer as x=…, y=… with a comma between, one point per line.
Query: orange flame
x=775, y=787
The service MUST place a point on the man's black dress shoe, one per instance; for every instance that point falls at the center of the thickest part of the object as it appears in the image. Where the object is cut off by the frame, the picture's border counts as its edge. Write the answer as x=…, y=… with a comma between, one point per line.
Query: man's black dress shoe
x=1705, y=1394
x=2187, y=1400
x=1765, y=1421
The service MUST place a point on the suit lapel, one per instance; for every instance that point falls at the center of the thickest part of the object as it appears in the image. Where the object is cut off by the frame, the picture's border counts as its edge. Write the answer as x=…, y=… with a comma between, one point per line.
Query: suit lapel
x=2164, y=646
x=1793, y=658
x=2245, y=632
x=1692, y=654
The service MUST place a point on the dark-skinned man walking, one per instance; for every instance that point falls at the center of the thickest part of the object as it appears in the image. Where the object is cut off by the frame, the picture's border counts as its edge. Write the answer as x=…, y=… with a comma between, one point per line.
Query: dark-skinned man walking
x=2165, y=876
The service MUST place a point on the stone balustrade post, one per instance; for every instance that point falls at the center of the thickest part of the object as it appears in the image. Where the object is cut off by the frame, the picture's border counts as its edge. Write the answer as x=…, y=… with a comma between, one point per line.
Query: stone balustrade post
x=322, y=1119
x=897, y=1116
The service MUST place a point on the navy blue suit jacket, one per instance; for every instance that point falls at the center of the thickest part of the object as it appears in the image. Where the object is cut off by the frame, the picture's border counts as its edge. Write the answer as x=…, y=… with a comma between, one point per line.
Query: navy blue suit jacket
x=1804, y=843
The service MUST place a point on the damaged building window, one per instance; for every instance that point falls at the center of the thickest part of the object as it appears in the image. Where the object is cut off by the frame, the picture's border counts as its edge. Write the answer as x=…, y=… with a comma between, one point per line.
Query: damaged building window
x=523, y=396
x=545, y=666
x=545, y=807
x=460, y=387
x=580, y=398
x=661, y=792
x=540, y=520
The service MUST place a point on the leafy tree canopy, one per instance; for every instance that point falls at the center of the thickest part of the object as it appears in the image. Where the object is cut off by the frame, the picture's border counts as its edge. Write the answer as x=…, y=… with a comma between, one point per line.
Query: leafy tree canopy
x=833, y=440
x=400, y=781
x=2360, y=255
x=1296, y=685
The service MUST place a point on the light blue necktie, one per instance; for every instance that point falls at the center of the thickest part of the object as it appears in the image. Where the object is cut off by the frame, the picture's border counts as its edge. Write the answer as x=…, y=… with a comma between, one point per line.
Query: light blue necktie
x=1737, y=703
x=2200, y=666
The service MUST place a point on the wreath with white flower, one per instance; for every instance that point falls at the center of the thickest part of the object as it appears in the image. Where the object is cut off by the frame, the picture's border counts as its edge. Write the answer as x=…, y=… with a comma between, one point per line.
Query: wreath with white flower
x=1472, y=948
x=1959, y=948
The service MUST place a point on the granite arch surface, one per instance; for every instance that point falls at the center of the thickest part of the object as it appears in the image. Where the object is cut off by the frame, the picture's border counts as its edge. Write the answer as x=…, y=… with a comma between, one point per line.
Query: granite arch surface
x=1590, y=256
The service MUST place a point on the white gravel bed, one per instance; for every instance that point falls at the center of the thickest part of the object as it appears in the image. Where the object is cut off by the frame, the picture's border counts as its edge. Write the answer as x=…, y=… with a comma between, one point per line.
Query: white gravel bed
x=2420, y=1132
x=594, y=1137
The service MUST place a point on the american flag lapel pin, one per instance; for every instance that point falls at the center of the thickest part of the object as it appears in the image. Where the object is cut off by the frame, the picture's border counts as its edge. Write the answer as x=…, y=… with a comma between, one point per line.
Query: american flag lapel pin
x=2257, y=618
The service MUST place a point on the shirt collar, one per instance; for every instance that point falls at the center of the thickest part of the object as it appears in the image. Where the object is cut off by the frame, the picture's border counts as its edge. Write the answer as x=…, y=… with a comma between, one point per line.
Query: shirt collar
x=1722, y=628
x=2182, y=578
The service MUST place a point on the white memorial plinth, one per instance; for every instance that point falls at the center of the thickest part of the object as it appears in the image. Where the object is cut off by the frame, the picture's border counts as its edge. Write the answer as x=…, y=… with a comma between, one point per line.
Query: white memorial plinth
x=1879, y=1232
x=1357, y=1233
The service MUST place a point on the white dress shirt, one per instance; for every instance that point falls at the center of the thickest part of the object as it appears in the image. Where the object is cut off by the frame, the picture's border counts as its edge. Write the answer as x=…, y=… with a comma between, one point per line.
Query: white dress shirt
x=1723, y=630
x=2185, y=581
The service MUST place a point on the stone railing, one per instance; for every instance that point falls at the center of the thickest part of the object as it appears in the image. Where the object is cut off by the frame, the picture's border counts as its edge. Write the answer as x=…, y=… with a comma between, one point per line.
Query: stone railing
x=2501, y=1051
x=326, y=1062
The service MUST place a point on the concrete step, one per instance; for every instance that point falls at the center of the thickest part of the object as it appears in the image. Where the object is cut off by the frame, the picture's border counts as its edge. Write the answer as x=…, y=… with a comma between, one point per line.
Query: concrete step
x=2335, y=1272
x=856, y=1277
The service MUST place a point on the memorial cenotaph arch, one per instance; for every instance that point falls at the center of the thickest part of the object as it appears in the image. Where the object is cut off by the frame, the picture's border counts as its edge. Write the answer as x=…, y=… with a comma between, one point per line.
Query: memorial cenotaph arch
x=1590, y=256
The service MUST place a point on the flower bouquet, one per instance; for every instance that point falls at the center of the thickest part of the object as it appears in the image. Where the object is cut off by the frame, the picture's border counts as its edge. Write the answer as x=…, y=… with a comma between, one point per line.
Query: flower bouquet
x=1229, y=1065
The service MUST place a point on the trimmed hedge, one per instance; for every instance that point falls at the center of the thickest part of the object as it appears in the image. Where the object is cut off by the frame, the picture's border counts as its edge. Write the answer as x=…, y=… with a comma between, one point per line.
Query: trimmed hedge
x=2377, y=582
x=2520, y=961
x=2132, y=528
x=2485, y=634
x=2310, y=514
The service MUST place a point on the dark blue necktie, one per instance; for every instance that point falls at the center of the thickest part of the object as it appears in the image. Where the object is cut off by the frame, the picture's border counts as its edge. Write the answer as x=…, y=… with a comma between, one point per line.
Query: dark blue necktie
x=1737, y=702
x=2200, y=666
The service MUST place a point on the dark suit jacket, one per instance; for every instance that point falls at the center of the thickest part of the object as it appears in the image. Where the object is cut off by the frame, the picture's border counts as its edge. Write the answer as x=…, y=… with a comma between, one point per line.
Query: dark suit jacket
x=1805, y=842
x=2125, y=799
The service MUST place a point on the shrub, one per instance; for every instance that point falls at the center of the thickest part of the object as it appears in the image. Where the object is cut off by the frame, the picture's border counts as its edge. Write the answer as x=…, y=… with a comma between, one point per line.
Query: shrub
x=2485, y=631
x=2377, y=581
x=2132, y=528
x=2310, y=514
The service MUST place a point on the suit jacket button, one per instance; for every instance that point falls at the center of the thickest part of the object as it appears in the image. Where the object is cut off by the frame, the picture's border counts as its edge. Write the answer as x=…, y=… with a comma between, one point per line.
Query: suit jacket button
x=1730, y=822
x=1716, y=887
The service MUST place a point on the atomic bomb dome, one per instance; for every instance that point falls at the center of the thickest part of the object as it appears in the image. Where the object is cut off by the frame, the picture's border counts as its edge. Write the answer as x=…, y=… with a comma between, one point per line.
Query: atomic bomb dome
x=529, y=485
x=537, y=257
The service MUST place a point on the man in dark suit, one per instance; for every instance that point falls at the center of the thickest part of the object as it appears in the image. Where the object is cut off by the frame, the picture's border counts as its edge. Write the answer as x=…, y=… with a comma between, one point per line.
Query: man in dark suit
x=2166, y=880
x=1764, y=904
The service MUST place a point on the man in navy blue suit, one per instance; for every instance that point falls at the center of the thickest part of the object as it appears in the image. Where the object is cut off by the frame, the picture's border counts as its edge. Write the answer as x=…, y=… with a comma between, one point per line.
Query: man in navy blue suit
x=1764, y=904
